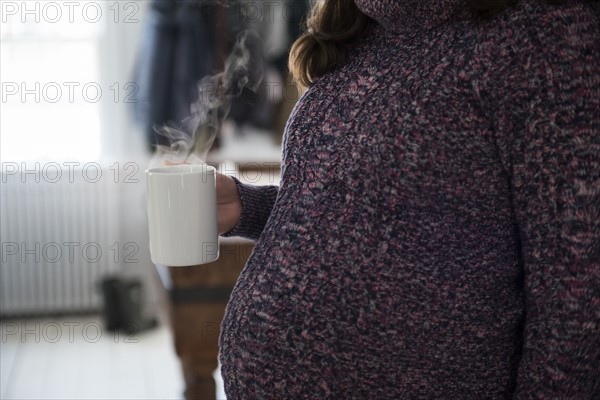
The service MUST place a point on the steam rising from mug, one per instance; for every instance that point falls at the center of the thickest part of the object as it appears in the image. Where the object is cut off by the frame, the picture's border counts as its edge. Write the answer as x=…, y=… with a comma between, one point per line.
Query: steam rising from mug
x=242, y=77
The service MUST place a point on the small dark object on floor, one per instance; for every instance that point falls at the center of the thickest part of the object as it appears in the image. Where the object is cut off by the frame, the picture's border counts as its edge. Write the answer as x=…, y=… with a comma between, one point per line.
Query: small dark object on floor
x=123, y=306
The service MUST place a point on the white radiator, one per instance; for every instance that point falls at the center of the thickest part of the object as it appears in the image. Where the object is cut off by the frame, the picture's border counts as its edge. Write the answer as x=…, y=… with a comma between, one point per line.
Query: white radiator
x=60, y=236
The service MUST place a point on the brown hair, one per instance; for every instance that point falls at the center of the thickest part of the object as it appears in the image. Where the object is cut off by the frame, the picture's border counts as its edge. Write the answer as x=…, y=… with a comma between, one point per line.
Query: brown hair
x=333, y=25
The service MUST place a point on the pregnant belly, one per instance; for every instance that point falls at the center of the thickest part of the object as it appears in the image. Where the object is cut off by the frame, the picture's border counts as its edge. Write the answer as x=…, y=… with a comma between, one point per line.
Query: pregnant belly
x=355, y=317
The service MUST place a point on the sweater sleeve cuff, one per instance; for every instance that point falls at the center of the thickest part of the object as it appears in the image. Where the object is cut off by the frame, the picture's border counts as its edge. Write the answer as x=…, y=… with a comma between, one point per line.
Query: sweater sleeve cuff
x=257, y=203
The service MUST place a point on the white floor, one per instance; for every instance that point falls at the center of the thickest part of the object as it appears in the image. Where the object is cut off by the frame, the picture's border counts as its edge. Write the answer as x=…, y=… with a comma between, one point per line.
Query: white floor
x=75, y=358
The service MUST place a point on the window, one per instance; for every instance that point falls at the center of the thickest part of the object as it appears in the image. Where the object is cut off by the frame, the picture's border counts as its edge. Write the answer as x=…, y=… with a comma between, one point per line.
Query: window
x=65, y=69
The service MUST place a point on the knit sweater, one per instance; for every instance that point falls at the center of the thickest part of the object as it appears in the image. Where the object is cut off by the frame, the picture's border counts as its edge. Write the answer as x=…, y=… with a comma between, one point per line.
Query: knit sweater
x=436, y=231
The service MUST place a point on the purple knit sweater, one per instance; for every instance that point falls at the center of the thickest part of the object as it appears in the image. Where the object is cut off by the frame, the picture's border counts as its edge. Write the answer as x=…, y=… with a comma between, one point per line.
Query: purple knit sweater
x=436, y=232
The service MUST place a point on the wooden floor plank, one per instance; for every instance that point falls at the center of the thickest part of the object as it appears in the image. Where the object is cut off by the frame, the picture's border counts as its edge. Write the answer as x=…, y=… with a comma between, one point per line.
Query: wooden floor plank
x=85, y=361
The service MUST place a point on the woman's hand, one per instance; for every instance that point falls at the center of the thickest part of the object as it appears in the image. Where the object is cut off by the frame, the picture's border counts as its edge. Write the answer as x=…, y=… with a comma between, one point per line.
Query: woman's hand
x=229, y=203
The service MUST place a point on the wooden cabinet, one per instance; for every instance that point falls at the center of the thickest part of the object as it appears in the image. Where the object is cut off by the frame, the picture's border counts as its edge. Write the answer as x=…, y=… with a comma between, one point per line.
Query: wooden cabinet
x=197, y=299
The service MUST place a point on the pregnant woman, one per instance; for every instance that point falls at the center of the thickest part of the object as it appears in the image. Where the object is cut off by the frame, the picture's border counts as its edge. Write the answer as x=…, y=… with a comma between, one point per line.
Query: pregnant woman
x=436, y=232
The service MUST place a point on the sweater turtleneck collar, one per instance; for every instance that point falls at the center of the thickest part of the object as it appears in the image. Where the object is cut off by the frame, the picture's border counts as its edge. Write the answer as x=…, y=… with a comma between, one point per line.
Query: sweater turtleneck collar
x=404, y=16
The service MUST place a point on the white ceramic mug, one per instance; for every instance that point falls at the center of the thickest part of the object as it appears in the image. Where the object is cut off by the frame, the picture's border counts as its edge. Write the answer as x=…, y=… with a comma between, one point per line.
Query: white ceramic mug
x=182, y=214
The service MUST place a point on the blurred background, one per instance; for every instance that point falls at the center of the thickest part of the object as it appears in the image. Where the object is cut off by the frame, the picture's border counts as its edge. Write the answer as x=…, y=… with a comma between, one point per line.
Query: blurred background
x=84, y=313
